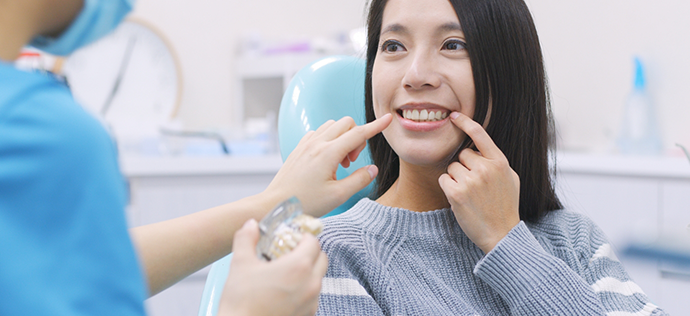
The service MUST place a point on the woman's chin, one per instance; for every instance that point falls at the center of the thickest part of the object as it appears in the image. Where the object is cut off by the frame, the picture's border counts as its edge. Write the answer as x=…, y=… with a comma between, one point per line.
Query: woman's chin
x=425, y=159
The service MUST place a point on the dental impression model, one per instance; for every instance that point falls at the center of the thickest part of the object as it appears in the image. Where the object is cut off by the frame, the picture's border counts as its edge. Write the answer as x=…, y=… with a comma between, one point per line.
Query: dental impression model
x=282, y=229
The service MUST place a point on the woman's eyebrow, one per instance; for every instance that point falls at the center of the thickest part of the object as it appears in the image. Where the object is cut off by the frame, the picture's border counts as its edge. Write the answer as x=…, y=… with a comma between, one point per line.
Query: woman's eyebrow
x=449, y=27
x=394, y=28
x=398, y=28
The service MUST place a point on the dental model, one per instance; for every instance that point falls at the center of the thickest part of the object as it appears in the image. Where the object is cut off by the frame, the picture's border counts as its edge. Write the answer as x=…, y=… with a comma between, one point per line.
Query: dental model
x=282, y=229
x=287, y=236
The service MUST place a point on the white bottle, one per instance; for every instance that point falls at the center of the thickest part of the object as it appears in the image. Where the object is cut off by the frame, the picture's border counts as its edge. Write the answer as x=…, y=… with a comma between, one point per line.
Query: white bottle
x=639, y=129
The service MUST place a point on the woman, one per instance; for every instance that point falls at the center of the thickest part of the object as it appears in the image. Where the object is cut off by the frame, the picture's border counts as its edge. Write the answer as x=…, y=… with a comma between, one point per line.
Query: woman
x=64, y=243
x=465, y=219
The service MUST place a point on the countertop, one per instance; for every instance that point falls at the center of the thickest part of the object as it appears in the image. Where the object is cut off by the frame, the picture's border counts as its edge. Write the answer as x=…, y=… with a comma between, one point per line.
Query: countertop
x=570, y=162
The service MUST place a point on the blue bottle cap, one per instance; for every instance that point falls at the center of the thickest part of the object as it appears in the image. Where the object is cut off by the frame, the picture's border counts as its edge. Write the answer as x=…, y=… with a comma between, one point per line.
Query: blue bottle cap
x=639, y=75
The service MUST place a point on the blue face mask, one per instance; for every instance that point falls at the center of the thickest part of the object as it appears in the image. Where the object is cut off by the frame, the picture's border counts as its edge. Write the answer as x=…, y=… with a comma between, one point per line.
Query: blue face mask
x=97, y=19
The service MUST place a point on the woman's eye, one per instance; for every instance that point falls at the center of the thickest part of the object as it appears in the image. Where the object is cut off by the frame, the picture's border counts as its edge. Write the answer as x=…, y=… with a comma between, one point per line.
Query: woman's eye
x=392, y=46
x=454, y=45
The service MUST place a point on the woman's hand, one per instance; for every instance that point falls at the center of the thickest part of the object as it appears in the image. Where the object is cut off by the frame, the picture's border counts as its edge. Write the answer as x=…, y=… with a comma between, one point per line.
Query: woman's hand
x=288, y=286
x=483, y=191
x=309, y=171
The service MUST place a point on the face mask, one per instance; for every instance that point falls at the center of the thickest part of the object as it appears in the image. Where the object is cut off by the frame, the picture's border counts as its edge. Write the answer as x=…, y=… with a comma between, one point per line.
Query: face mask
x=96, y=19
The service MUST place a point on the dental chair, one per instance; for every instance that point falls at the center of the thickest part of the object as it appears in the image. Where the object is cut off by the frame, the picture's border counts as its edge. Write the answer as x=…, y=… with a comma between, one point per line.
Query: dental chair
x=330, y=88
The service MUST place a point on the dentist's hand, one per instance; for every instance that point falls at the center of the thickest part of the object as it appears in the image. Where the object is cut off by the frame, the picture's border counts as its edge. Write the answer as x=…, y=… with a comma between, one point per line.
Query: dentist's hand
x=287, y=286
x=483, y=191
x=309, y=173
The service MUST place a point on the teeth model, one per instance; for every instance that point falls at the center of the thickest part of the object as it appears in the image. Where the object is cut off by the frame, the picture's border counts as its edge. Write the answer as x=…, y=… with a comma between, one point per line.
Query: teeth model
x=288, y=235
x=424, y=115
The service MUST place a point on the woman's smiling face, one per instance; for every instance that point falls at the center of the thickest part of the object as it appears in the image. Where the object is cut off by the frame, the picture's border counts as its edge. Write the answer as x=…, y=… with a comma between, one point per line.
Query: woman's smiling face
x=420, y=75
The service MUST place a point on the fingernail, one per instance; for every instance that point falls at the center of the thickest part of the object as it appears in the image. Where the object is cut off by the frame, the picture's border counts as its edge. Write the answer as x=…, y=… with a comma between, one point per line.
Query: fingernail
x=373, y=171
x=454, y=115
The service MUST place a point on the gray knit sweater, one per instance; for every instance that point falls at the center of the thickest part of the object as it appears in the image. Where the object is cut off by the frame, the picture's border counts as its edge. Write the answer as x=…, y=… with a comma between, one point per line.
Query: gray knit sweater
x=390, y=261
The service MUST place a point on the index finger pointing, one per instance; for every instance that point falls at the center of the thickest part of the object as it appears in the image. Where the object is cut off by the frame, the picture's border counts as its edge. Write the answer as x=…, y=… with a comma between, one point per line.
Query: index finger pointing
x=476, y=132
x=357, y=136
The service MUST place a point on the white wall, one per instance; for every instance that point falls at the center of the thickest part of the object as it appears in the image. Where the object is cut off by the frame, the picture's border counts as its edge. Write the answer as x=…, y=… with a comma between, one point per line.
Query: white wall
x=588, y=45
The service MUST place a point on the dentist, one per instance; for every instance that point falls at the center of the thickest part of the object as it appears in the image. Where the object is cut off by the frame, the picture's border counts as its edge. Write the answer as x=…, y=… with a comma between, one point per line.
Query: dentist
x=64, y=244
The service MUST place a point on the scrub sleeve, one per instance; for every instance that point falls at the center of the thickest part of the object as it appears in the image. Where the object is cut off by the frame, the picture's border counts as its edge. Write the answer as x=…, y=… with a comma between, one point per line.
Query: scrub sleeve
x=64, y=245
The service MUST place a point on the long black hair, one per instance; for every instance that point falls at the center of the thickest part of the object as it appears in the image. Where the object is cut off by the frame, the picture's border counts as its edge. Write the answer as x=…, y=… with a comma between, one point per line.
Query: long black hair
x=509, y=77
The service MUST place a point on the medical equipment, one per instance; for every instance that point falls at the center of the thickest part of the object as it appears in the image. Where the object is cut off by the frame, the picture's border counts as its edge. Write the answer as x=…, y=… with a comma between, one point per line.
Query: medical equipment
x=329, y=88
x=281, y=230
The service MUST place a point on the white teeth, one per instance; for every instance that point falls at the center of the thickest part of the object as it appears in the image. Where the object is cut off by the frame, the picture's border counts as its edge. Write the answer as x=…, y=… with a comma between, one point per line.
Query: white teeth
x=424, y=115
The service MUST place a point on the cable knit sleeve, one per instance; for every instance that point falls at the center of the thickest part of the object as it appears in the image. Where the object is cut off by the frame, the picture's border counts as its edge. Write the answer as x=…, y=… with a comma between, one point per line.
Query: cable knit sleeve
x=585, y=278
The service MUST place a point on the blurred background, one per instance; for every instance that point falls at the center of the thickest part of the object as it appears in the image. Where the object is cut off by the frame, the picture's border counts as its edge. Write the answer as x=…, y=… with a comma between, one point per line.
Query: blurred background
x=191, y=91
x=588, y=46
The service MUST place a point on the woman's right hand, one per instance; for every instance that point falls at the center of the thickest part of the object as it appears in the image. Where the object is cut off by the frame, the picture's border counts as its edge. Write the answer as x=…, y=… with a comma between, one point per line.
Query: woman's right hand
x=309, y=173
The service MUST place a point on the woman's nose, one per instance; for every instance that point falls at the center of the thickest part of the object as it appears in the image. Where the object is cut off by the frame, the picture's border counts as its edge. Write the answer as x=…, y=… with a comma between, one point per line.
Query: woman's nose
x=421, y=73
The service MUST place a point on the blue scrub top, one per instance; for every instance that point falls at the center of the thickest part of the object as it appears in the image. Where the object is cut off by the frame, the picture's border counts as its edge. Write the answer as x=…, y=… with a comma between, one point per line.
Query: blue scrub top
x=64, y=245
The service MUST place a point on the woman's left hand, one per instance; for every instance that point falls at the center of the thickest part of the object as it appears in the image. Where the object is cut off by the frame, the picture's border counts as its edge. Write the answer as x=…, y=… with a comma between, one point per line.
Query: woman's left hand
x=483, y=190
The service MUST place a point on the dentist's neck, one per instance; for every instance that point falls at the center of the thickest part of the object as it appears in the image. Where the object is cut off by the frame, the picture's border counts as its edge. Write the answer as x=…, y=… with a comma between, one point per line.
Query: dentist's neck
x=17, y=28
x=22, y=20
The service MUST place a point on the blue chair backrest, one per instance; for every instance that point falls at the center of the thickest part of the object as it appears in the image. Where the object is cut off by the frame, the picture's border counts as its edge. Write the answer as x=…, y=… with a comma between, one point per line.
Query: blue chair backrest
x=328, y=89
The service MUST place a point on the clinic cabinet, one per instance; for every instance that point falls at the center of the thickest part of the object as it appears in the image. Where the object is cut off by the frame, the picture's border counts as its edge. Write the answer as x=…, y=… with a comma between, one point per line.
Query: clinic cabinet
x=630, y=197
x=625, y=196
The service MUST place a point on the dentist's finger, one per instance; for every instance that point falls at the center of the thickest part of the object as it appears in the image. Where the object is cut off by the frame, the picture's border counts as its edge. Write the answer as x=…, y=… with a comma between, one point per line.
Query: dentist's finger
x=245, y=240
x=476, y=132
x=338, y=128
x=346, y=162
x=357, y=136
x=321, y=266
x=352, y=156
x=308, y=249
x=324, y=126
x=356, y=181
x=307, y=136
